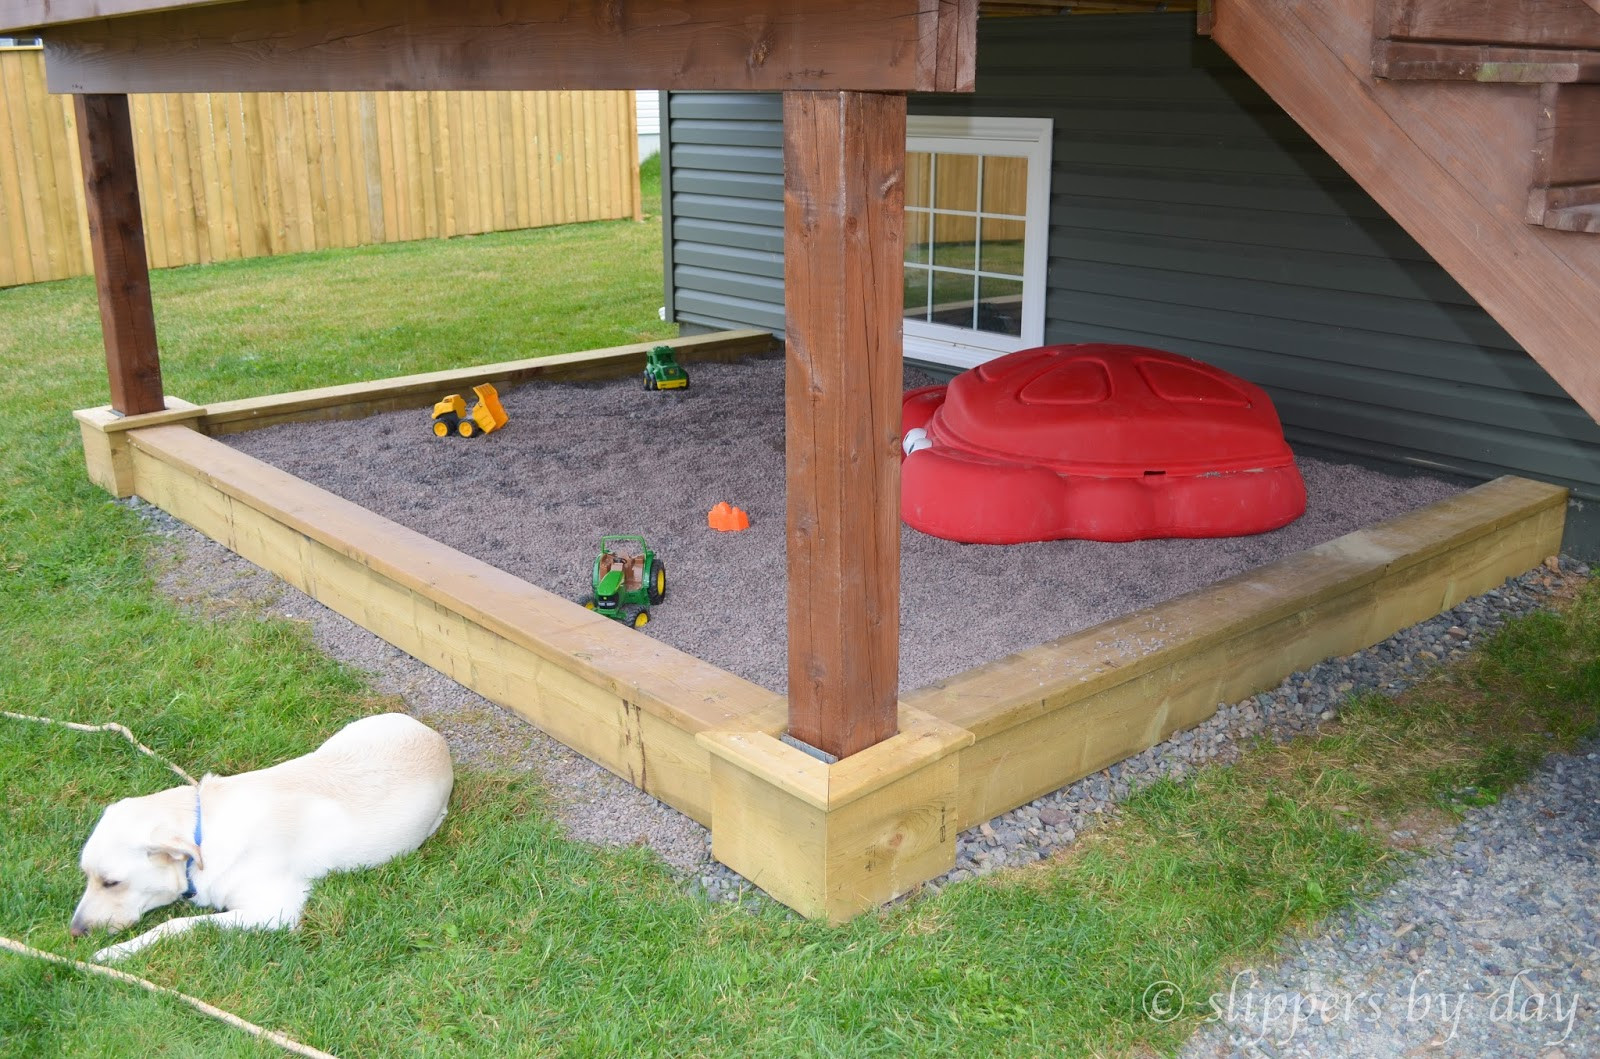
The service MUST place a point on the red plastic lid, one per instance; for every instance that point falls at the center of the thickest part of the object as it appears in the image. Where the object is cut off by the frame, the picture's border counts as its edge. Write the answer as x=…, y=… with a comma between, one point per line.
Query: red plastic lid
x=1110, y=410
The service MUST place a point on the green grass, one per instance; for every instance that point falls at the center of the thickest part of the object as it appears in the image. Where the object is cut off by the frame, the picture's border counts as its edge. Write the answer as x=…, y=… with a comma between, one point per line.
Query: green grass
x=499, y=936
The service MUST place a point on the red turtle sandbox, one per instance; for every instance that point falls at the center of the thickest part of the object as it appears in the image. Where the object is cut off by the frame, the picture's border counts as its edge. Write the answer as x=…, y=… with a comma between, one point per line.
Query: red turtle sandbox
x=1095, y=442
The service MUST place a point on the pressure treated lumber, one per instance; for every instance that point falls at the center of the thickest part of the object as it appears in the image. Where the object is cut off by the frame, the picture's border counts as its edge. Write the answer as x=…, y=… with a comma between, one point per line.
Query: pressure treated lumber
x=106, y=452
x=832, y=841
x=345, y=45
x=355, y=400
x=844, y=195
x=116, y=236
x=1449, y=162
x=1051, y=714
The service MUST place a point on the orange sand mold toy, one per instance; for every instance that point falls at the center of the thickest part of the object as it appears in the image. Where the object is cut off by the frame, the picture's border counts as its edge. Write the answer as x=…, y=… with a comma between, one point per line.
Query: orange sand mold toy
x=728, y=518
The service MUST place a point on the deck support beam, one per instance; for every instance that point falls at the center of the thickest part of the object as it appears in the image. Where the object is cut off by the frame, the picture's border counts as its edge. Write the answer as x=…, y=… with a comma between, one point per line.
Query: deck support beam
x=121, y=270
x=844, y=198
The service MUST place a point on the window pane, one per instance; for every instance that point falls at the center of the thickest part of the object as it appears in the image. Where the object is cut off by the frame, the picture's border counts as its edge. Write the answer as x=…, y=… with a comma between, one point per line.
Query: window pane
x=952, y=299
x=1005, y=185
x=1002, y=246
x=1000, y=306
x=918, y=232
x=955, y=241
x=955, y=182
x=916, y=301
x=919, y=178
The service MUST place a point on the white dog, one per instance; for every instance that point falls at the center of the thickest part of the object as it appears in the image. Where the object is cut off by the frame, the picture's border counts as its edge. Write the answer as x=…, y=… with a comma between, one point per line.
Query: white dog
x=252, y=844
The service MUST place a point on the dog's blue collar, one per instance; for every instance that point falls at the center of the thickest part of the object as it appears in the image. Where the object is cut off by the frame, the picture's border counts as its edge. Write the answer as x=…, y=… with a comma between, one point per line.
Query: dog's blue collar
x=188, y=865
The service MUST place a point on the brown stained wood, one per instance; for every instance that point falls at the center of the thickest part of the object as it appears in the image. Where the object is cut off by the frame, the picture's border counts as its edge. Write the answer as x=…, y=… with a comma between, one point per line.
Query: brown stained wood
x=844, y=161
x=32, y=14
x=1412, y=61
x=343, y=45
x=1567, y=141
x=1581, y=216
x=1538, y=23
x=116, y=233
x=948, y=52
x=18, y=14
x=1565, y=195
x=1448, y=162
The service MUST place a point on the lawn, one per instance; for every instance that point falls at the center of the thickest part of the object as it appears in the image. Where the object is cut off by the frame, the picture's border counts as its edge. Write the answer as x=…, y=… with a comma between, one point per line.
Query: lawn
x=499, y=935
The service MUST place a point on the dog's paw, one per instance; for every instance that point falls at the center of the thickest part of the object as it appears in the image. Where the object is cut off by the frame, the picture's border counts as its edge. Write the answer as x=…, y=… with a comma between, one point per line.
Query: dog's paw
x=113, y=953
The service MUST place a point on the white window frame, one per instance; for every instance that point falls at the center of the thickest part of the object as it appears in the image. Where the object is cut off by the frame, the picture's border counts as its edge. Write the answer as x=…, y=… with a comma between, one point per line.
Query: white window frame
x=1029, y=138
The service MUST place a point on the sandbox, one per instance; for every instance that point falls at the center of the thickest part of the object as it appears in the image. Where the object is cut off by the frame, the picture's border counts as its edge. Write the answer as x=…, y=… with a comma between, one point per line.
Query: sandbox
x=990, y=717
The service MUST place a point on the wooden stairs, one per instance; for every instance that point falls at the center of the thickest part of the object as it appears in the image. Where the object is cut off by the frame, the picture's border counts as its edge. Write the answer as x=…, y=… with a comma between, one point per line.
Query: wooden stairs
x=1554, y=44
x=1475, y=124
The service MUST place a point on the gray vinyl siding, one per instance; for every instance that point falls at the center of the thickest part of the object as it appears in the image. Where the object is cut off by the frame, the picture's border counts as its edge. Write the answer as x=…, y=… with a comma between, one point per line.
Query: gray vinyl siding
x=1188, y=212
x=725, y=213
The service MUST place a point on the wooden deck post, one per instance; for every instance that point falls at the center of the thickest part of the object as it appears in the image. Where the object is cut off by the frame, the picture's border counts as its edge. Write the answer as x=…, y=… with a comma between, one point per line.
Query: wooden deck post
x=844, y=197
x=121, y=272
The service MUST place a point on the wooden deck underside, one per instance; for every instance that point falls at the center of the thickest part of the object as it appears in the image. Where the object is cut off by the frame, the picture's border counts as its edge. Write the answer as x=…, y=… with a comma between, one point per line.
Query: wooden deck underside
x=828, y=840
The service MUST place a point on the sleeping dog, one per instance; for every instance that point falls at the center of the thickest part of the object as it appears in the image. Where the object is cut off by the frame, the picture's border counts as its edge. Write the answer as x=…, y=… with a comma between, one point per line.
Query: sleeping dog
x=252, y=844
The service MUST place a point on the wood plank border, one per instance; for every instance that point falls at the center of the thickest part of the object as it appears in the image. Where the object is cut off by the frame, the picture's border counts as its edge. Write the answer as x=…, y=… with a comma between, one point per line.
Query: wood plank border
x=1053, y=714
x=829, y=840
x=354, y=400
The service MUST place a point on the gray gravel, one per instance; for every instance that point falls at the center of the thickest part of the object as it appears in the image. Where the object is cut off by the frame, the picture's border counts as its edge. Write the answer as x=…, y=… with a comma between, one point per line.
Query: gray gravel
x=1490, y=947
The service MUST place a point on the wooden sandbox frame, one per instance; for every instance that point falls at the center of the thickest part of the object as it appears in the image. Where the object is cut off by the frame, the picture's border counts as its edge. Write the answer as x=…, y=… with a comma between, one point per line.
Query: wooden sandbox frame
x=828, y=840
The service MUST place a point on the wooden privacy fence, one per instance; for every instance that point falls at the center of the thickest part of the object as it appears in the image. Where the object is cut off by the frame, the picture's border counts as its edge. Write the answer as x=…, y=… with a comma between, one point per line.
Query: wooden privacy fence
x=231, y=175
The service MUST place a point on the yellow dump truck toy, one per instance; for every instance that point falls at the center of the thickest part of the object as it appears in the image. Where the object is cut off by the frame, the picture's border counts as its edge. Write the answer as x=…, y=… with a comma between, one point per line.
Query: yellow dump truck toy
x=450, y=415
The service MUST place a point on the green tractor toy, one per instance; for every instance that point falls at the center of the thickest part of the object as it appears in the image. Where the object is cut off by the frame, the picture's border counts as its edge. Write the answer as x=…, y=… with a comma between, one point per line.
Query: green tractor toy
x=661, y=371
x=627, y=580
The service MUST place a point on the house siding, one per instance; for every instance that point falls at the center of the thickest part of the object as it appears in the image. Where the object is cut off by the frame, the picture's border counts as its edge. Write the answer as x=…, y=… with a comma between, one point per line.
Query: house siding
x=1188, y=212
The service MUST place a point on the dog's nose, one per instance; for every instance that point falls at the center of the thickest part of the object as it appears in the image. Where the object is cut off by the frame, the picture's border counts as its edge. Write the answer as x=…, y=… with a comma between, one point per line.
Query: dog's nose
x=77, y=929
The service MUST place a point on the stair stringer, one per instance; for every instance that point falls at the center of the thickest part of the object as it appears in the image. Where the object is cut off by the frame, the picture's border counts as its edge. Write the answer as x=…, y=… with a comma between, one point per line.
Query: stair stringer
x=1449, y=161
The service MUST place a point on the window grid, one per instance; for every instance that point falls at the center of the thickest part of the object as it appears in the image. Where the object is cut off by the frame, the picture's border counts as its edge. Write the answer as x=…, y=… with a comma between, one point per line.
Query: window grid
x=977, y=216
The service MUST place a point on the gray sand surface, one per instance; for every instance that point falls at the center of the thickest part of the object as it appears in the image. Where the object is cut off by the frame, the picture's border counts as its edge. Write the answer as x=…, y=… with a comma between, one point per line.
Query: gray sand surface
x=578, y=460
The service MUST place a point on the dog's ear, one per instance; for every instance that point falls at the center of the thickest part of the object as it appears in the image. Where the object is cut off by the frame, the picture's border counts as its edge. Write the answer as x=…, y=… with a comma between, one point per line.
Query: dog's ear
x=178, y=848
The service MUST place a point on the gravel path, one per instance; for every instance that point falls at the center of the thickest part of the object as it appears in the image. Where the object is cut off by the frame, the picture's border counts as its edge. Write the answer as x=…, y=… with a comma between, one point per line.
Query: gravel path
x=1491, y=947
x=1486, y=948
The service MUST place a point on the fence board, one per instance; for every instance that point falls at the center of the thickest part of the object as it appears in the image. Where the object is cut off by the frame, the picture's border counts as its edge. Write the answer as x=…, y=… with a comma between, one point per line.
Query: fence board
x=225, y=175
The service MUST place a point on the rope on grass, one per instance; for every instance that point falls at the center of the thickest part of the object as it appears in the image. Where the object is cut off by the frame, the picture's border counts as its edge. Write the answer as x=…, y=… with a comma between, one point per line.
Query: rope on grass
x=288, y=1044
x=111, y=726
